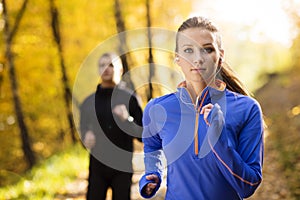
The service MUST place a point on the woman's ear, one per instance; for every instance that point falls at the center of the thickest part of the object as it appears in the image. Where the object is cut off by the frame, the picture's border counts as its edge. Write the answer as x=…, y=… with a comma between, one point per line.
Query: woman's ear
x=176, y=59
x=221, y=59
x=222, y=54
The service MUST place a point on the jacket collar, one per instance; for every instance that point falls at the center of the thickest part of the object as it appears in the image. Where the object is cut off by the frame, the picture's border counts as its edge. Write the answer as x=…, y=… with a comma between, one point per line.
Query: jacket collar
x=213, y=93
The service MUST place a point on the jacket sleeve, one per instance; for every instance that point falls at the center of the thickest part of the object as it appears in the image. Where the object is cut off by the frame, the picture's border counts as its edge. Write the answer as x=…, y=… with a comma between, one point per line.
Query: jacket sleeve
x=242, y=167
x=85, y=118
x=152, y=149
x=135, y=111
x=133, y=125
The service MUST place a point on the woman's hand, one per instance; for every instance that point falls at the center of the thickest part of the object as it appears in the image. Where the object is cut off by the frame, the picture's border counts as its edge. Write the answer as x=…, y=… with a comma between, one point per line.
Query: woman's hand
x=148, y=189
x=213, y=117
x=205, y=111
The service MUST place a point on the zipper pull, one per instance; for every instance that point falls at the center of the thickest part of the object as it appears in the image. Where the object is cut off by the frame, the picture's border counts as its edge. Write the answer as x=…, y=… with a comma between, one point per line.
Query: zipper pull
x=197, y=103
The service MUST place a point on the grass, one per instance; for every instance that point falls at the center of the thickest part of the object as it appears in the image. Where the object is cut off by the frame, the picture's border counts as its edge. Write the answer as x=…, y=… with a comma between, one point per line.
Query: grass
x=49, y=177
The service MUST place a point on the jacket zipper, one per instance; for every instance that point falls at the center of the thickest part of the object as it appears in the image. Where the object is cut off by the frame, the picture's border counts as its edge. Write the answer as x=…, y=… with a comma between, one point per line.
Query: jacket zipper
x=197, y=108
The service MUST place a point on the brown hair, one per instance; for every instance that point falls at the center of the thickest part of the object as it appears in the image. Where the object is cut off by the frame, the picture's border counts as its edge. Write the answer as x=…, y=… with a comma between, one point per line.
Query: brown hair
x=226, y=73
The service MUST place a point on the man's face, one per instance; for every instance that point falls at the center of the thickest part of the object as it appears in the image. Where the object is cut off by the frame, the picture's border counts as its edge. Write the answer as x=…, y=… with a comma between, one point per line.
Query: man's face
x=106, y=69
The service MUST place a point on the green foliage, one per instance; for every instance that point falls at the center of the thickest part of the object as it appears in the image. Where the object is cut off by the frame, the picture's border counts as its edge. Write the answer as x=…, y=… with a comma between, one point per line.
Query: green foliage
x=49, y=177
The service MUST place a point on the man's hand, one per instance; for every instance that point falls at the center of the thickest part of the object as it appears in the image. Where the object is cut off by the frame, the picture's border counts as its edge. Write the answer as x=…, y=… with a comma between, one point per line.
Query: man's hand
x=121, y=111
x=89, y=139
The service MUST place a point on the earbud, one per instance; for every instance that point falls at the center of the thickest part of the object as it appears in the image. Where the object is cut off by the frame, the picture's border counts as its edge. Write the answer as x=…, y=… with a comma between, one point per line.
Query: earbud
x=177, y=59
x=220, y=61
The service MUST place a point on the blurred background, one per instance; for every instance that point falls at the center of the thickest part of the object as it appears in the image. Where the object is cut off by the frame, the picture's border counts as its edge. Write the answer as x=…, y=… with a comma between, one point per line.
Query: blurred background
x=44, y=44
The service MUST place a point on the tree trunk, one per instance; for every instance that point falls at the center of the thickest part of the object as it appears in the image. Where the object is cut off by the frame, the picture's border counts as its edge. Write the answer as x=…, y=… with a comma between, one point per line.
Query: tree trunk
x=9, y=35
x=150, y=59
x=65, y=82
x=123, y=45
x=1, y=78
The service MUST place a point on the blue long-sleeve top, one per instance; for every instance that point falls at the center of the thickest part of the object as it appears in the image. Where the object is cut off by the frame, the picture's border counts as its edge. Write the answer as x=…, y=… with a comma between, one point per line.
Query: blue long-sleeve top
x=204, y=162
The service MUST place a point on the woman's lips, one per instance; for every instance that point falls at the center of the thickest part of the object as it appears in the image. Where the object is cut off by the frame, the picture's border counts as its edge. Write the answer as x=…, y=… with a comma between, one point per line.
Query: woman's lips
x=198, y=69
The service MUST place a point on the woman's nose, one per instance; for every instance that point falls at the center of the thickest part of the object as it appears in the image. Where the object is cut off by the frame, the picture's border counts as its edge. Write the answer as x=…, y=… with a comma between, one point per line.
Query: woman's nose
x=198, y=58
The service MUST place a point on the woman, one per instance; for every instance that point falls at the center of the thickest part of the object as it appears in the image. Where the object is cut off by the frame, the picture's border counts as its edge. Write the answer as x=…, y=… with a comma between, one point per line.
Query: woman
x=210, y=130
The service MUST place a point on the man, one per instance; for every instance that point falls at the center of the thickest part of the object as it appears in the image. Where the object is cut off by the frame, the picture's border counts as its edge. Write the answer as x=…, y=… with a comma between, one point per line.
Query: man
x=110, y=119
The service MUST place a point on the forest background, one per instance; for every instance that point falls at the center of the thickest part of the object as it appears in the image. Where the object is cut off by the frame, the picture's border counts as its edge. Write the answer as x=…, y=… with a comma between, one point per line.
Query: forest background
x=45, y=69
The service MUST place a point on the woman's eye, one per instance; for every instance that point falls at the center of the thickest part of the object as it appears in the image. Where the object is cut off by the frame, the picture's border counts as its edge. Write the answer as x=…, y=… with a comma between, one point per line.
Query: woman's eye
x=188, y=50
x=207, y=49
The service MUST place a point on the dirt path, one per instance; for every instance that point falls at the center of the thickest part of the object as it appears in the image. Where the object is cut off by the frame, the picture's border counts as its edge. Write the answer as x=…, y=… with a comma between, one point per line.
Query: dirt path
x=273, y=187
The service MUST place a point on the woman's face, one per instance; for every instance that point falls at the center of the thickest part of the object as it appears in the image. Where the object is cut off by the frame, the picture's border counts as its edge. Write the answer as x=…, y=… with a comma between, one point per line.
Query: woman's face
x=198, y=54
